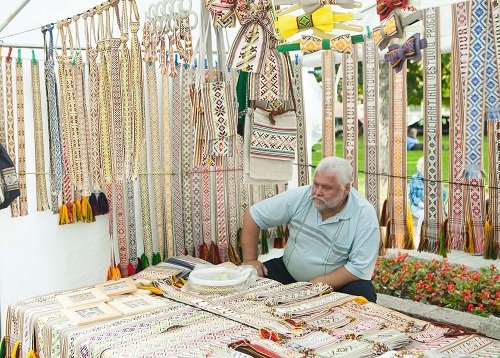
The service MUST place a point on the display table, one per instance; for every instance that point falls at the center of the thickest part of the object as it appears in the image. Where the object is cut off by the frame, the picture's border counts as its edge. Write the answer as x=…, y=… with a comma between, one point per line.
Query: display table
x=266, y=320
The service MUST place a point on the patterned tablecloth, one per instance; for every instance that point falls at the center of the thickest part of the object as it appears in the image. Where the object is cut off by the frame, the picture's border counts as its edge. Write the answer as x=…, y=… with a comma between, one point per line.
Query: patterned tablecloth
x=266, y=320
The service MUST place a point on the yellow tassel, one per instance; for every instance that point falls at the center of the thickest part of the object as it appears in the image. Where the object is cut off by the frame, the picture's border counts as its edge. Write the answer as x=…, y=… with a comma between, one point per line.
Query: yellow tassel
x=409, y=243
x=78, y=209
x=73, y=211
x=63, y=215
x=90, y=214
x=470, y=237
x=360, y=300
x=84, y=203
x=15, y=350
x=31, y=354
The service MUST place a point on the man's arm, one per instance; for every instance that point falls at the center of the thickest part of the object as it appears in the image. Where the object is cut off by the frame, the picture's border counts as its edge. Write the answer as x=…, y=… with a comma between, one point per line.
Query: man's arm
x=249, y=243
x=337, y=279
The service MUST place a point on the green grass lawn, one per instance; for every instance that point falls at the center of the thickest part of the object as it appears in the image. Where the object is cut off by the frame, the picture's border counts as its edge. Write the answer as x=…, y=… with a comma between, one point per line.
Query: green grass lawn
x=411, y=159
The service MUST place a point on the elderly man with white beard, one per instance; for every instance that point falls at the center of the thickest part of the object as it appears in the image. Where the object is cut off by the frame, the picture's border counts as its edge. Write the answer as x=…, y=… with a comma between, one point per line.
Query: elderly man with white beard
x=334, y=233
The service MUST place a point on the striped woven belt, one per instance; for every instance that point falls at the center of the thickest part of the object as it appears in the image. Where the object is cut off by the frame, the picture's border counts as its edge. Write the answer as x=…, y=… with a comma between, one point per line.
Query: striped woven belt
x=21, y=138
x=231, y=202
x=474, y=126
x=186, y=159
x=55, y=140
x=167, y=162
x=11, y=148
x=350, y=123
x=328, y=65
x=128, y=120
x=371, y=129
x=119, y=151
x=178, y=226
x=493, y=108
x=460, y=53
x=397, y=166
x=433, y=140
x=302, y=155
x=154, y=118
x=137, y=115
x=141, y=147
x=41, y=186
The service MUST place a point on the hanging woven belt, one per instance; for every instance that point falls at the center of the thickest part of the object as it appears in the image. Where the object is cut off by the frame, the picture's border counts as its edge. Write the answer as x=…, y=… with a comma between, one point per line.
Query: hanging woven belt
x=432, y=238
x=3, y=138
x=474, y=127
x=328, y=66
x=460, y=53
x=302, y=155
x=14, y=206
x=41, y=188
x=401, y=232
x=350, y=99
x=371, y=129
x=21, y=140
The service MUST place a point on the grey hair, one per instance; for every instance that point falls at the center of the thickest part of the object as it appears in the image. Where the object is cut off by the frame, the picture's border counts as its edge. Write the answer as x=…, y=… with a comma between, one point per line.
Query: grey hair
x=420, y=165
x=339, y=167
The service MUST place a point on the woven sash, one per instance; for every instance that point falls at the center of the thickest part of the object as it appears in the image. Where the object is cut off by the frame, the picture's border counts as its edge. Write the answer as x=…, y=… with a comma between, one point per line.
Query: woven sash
x=21, y=139
x=3, y=139
x=141, y=146
x=41, y=186
x=397, y=166
x=432, y=140
x=474, y=124
x=328, y=65
x=350, y=98
x=371, y=129
x=243, y=188
x=119, y=151
x=155, y=145
x=493, y=115
x=302, y=155
x=178, y=226
x=167, y=163
x=55, y=140
x=95, y=135
x=81, y=107
x=128, y=122
x=14, y=206
x=232, y=212
x=460, y=53
x=186, y=159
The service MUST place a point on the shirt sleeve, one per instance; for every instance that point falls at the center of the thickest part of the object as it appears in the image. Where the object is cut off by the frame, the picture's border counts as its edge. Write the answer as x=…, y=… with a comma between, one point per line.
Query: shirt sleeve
x=365, y=246
x=277, y=210
x=413, y=192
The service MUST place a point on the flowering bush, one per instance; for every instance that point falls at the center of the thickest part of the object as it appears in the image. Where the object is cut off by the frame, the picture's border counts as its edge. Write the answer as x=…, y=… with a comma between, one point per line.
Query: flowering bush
x=439, y=283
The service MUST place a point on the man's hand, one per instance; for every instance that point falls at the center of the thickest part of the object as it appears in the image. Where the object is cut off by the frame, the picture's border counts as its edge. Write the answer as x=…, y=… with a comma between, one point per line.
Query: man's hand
x=259, y=266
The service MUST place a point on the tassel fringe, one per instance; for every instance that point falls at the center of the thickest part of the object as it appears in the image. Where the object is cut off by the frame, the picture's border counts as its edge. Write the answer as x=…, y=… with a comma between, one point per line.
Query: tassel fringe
x=103, y=204
x=204, y=252
x=264, y=245
x=156, y=258
x=131, y=269
x=144, y=261
x=3, y=348
x=231, y=253
x=213, y=256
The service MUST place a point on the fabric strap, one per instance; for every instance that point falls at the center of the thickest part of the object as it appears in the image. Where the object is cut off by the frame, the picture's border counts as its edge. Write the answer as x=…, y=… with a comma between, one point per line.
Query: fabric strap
x=432, y=128
x=156, y=163
x=460, y=53
x=21, y=139
x=328, y=65
x=474, y=124
x=41, y=186
x=350, y=123
x=14, y=206
x=371, y=128
x=397, y=166
x=55, y=140
x=302, y=155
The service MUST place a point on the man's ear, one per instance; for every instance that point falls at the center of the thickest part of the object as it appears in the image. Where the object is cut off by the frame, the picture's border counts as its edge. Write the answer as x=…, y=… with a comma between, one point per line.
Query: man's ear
x=348, y=187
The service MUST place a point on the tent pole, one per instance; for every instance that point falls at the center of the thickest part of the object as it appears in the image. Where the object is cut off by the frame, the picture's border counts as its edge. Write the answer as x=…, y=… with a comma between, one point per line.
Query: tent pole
x=13, y=14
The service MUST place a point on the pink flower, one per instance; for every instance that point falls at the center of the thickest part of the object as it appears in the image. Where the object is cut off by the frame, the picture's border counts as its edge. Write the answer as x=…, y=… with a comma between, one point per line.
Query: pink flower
x=451, y=287
x=430, y=276
x=470, y=307
x=467, y=295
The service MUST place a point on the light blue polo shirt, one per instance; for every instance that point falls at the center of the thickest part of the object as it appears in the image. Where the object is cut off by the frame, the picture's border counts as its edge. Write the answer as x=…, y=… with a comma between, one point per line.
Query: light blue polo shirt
x=316, y=247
